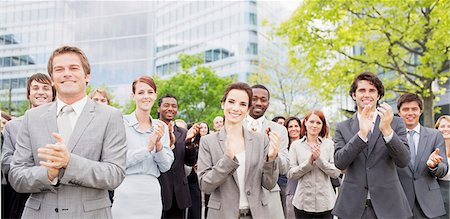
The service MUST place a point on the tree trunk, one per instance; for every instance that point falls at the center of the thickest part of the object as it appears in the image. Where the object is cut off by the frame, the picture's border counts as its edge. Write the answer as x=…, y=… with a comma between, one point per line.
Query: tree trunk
x=428, y=111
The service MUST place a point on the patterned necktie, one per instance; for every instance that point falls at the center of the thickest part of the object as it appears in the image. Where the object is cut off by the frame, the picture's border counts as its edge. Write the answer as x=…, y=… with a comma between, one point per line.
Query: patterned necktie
x=64, y=125
x=412, y=145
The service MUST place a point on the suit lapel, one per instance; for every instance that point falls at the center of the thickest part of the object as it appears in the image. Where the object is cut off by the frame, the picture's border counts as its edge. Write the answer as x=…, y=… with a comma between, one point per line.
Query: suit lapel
x=82, y=123
x=423, y=138
x=50, y=120
x=249, y=151
x=354, y=124
x=375, y=134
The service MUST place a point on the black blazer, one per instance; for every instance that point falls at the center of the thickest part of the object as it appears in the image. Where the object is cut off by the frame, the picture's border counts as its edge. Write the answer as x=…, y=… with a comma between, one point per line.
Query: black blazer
x=174, y=182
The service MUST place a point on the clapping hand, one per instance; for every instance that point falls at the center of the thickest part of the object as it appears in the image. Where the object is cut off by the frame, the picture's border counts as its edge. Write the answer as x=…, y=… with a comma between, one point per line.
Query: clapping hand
x=315, y=153
x=155, y=138
x=386, y=116
x=56, y=155
x=365, y=121
x=274, y=145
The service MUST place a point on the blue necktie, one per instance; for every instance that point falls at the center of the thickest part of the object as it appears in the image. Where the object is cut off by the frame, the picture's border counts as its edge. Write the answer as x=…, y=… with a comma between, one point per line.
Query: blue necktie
x=412, y=145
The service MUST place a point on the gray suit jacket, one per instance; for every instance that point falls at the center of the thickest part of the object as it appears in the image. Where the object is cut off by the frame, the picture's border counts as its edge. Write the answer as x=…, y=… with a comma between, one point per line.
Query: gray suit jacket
x=218, y=177
x=371, y=167
x=9, y=133
x=420, y=181
x=96, y=165
x=275, y=205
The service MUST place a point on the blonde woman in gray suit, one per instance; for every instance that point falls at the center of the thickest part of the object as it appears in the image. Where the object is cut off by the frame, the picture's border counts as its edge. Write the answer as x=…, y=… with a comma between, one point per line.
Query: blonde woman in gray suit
x=235, y=164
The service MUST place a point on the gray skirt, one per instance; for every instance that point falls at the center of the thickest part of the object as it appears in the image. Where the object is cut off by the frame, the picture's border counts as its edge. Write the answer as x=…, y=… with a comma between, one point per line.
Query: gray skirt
x=138, y=196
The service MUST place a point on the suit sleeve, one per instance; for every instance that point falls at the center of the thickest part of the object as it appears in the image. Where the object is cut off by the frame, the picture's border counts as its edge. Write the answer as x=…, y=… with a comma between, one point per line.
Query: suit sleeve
x=346, y=152
x=398, y=146
x=270, y=169
x=212, y=175
x=442, y=168
x=109, y=171
x=24, y=175
x=8, y=147
x=283, y=154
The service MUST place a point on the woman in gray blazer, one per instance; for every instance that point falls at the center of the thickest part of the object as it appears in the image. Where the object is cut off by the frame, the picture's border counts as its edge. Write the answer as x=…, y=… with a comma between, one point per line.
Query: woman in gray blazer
x=234, y=164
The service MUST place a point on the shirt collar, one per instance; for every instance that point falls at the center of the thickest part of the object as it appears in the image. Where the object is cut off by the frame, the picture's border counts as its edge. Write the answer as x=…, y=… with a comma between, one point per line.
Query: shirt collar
x=416, y=129
x=133, y=122
x=77, y=106
x=319, y=139
x=259, y=120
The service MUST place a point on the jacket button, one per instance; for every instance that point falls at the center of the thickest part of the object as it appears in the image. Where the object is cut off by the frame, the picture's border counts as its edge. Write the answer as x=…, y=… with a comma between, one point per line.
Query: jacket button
x=248, y=192
x=56, y=210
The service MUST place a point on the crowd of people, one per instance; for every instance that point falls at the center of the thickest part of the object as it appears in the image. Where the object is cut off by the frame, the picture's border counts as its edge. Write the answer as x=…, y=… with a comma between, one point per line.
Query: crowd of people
x=73, y=155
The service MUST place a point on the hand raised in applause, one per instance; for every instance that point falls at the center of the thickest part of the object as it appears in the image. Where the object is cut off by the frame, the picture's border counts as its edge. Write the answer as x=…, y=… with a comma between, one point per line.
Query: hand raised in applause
x=190, y=135
x=155, y=137
x=56, y=155
x=386, y=116
x=434, y=159
x=365, y=121
x=315, y=153
x=274, y=145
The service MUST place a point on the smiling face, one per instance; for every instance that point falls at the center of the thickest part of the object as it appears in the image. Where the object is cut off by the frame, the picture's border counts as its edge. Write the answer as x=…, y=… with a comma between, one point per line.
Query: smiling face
x=444, y=128
x=236, y=106
x=410, y=113
x=260, y=102
x=40, y=94
x=218, y=123
x=203, y=129
x=293, y=129
x=366, y=94
x=144, y=96
x=69, y=77
x=168, y=109
x=313, y=125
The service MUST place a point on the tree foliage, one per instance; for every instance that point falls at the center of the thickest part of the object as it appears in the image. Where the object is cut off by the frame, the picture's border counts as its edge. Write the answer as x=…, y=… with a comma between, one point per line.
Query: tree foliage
x=406, y=42
x=197, y=88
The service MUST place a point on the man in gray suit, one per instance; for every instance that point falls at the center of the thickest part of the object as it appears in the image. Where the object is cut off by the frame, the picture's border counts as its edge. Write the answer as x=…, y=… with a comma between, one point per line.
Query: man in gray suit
x=369, y=147
x=257, y=122
x=39, y=92
x=428, y=161
x=69, y=153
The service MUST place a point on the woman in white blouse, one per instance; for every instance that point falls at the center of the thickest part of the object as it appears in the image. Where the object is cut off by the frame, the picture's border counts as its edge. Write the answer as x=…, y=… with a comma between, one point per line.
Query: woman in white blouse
x=149, y=155
x=312, y=163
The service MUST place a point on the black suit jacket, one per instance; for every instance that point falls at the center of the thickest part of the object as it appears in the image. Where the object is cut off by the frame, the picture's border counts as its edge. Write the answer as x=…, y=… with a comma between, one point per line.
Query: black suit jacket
x=174, y=182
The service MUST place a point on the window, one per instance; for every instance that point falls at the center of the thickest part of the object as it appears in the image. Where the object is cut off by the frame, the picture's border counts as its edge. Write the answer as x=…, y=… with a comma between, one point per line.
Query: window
x=253, y=19
x=252, y=49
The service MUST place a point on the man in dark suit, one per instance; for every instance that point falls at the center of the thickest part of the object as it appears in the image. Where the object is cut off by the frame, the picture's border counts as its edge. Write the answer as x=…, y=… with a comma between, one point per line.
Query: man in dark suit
x=428, y=161
x=369, y=147
x=174, y=186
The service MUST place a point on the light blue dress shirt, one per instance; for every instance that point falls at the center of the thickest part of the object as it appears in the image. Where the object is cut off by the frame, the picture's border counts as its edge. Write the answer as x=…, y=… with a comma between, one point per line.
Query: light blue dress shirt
x=139, y=159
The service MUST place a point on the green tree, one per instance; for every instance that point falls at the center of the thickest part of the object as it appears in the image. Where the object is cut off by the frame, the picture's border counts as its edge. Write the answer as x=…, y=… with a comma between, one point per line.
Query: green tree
x=405, y=41
x=197, y=88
